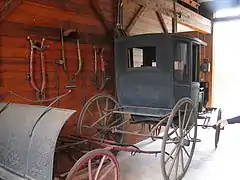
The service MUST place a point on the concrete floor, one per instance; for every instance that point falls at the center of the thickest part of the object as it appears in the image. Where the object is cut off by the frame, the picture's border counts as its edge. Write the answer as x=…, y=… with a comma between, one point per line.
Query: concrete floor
x=207, y=163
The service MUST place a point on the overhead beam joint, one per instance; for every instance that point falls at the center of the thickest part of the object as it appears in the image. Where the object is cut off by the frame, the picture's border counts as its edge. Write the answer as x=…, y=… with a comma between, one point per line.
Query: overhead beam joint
x=185, y=16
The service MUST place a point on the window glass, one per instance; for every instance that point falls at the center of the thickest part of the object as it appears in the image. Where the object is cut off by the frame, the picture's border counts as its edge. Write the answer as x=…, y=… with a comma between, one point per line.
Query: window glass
x=195, y=62
x=140, y=57
x=181, y=62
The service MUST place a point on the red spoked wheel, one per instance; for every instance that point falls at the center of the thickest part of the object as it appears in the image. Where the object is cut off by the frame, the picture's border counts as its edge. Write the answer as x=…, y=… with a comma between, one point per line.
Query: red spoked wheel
x=99, y=164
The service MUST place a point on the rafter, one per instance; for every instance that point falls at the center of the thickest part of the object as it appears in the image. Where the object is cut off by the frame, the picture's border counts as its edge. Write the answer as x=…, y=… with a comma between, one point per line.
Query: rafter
x=135, y=17
x=8, y=8
x=162, y=22
x=97, y=10
x=185, y=16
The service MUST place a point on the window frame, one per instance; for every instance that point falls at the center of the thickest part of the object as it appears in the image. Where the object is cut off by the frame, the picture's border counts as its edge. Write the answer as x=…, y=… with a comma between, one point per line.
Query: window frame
x=129, y=53
x=188, y=56
x=197, y=62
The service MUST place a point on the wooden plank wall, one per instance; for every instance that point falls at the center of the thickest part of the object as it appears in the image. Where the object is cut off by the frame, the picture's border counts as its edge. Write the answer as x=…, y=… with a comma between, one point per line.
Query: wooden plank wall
x=43, y=18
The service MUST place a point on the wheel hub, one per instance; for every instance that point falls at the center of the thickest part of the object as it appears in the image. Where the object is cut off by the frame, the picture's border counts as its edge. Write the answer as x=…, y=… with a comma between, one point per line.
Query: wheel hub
x=182, y=142
x=185, y=142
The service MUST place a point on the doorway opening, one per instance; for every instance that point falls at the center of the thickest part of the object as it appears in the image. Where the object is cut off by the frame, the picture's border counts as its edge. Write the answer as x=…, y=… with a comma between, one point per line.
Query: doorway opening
x=226, y=74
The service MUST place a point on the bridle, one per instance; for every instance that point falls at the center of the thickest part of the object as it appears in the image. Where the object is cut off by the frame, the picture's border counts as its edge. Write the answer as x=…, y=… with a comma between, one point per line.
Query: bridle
x=40, y=92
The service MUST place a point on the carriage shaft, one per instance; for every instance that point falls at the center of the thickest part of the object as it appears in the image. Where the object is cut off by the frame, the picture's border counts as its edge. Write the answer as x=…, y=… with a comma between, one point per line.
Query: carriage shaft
x=136, y=134
x=138, y=114
x=110, y=145
x=207, y=126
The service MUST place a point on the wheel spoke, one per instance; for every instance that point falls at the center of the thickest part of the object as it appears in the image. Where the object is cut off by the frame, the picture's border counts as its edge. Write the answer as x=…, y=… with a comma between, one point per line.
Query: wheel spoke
x=99, y=167
x=186, y=133
x=174, y=160
x=170, y=155
x=188, y=120
x=110, y=135
x=95, y=164
x=90, y=112
x=109, y=118
x=186, y=151
x=176, y=172
x=184, y=117
x=179, y=122
x=115, y=122
x=99, y=110
x=182, y=160
x=90, y=169
x=76, y=178
x=175, y=129
x=106, y=110
x=109, y=169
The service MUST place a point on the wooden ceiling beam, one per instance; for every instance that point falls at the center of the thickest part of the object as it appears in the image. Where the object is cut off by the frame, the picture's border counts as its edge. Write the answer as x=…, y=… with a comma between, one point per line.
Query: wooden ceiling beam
x=192, y=3
x=8, y=8
x=135, y=18
x=185, y=16
x=98, y=12
x=162, y=22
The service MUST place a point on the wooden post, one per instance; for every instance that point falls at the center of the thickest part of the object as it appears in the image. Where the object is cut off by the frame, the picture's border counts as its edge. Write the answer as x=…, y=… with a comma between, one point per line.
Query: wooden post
x=174, y=19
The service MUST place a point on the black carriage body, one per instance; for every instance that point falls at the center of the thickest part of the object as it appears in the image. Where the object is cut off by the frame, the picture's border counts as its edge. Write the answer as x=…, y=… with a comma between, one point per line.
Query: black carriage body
x=154, y=71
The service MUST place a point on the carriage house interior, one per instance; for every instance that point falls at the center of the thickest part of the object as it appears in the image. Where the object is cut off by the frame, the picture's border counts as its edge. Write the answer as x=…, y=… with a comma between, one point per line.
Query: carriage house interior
x=119, y=89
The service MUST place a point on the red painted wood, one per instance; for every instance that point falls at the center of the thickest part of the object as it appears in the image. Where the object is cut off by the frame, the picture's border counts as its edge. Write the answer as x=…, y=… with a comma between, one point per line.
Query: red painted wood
x=42, y=18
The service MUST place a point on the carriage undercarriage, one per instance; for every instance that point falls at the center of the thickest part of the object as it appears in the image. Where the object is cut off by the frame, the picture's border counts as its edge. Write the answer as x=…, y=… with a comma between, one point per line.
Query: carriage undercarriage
x=103, y=137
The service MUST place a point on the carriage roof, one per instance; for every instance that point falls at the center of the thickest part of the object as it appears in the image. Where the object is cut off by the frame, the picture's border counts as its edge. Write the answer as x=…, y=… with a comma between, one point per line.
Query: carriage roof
x=165, y=36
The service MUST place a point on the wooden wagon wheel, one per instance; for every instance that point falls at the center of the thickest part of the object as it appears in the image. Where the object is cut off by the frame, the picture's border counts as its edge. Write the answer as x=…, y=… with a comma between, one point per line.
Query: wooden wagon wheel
x=98, y=164
x=181, y=145
x=218, y=128
x=88, y=122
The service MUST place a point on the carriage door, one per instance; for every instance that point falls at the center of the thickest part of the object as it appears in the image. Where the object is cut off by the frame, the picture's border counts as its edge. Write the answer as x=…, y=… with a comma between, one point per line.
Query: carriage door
x=181, y=72
x=196, y=95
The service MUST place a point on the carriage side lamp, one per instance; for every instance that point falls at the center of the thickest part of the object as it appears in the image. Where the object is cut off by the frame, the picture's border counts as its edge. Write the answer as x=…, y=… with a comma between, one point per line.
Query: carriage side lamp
x=205, y=67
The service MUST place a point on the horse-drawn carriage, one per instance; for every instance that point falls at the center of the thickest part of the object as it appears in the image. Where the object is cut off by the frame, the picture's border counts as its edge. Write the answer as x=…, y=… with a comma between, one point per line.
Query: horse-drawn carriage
x=157, y=80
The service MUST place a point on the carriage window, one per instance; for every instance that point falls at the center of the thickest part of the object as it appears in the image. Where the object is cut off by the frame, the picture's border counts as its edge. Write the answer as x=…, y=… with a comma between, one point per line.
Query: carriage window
x=139, y=57
x=181, y=62
x=195, y=62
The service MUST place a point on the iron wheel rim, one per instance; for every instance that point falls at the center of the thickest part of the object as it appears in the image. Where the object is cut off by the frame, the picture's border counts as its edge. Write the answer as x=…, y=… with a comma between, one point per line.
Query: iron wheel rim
x=180, y=148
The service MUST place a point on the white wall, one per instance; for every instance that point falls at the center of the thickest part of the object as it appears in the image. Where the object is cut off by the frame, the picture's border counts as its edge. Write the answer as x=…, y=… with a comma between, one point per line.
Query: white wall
x=226, y=82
